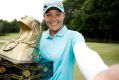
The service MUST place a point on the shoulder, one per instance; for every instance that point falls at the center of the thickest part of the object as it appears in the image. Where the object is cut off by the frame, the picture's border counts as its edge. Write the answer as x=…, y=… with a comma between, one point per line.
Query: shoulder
x=76, y=37
x=75, y=33
x=44, y=33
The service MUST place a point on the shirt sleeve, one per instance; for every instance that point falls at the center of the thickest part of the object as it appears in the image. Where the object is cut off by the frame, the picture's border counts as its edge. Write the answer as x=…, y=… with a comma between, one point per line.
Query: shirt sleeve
x=89, y=62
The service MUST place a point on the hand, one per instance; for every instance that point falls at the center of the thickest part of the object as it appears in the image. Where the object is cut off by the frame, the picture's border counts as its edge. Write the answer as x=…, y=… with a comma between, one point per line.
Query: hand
x=111, y=74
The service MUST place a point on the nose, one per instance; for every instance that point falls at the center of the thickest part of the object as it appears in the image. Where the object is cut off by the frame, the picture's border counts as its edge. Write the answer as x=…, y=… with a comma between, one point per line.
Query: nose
x=53, y=17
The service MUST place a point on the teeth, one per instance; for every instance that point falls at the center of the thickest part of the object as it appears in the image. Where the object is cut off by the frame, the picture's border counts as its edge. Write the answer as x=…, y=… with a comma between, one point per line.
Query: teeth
x=54, y=23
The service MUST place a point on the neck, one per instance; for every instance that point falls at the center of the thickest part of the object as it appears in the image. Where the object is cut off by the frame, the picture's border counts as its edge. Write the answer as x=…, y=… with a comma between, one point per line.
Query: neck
x=52, y=33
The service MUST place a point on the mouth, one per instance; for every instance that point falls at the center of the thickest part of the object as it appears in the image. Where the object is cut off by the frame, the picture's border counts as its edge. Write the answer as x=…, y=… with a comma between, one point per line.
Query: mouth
x=54, y=24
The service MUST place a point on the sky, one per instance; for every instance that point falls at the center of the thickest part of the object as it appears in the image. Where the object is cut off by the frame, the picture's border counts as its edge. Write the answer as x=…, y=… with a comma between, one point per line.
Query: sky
x=15, y=9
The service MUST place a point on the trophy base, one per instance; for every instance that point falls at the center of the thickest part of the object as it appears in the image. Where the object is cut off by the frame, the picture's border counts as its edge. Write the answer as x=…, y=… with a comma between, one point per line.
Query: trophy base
x=25, y=71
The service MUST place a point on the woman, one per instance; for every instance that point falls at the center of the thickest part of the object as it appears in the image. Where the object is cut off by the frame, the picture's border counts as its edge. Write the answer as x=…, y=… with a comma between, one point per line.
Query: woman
x=63, y=46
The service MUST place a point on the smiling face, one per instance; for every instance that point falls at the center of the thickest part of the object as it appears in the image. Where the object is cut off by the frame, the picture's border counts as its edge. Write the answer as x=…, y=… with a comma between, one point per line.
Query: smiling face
x=54, y=20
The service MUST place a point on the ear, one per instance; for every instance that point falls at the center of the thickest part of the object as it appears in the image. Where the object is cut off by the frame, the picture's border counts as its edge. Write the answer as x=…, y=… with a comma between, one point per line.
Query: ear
x=64, y=14
x=44, y=16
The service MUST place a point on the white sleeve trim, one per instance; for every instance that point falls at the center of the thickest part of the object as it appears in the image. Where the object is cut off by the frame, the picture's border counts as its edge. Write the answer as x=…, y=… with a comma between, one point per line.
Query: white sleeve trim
x=89, y=62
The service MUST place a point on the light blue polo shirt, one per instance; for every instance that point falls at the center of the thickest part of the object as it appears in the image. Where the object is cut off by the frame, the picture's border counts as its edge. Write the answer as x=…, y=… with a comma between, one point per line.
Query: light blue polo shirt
x=59, y=49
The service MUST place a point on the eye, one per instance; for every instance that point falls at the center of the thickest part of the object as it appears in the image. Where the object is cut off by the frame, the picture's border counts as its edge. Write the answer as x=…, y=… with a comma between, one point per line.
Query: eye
x=48, y=15
x=58, y=14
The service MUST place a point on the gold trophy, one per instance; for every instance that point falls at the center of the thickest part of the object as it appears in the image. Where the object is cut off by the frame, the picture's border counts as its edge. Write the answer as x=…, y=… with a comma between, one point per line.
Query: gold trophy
x=19, y=54
x=20, y=50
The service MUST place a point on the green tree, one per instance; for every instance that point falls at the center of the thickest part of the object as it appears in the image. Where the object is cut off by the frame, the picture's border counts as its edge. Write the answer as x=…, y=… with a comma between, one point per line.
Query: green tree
x=1, y=26
x=14, y=26
x=97, y=18
x=8, y=27
x=70, y=8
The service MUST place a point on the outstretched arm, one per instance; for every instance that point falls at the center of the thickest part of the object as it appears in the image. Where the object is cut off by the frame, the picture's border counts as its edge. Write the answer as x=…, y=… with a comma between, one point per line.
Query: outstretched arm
x=89, y=62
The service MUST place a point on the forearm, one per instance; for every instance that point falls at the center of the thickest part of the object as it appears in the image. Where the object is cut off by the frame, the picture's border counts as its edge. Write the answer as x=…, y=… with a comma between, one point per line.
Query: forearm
x=88, y=61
